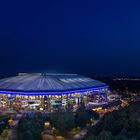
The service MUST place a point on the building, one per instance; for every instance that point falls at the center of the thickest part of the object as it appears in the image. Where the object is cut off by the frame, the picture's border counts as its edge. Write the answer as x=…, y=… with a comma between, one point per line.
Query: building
x=50, y=89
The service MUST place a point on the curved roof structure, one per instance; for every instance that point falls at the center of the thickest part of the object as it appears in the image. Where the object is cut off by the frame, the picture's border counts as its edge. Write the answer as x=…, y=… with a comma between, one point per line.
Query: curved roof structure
x=42, y=82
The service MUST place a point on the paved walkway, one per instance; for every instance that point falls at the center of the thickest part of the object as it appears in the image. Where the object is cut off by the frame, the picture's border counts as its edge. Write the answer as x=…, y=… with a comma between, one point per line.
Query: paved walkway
x=82, y=133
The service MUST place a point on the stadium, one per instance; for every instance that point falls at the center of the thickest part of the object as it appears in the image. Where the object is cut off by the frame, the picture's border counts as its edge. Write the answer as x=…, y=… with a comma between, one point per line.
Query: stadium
x=44, y=90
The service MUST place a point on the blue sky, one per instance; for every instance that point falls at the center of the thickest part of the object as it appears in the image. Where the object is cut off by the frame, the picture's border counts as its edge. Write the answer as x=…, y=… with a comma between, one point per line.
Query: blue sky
x=81, y=36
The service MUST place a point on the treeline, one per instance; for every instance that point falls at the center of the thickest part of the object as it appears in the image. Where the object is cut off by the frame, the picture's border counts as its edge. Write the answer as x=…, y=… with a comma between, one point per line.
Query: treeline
x=31, y=125
x=3, y=122
x=118, y=125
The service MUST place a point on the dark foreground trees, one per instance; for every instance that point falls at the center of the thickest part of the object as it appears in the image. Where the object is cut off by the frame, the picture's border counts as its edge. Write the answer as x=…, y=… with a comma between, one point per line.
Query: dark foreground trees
x=84, y=116
x=31, y=125
x=119, y=125
x=63, y=121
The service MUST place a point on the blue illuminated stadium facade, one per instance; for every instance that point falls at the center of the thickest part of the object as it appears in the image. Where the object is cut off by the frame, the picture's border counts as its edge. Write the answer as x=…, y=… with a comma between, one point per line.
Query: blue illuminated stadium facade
x=35, y=84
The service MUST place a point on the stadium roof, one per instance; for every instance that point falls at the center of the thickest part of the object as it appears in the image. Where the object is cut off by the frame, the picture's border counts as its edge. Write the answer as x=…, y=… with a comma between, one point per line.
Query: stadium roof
x=43, y=82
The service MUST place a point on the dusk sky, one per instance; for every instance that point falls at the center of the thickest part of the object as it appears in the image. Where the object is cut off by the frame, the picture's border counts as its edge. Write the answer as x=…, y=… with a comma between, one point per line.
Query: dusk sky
x=88, y=37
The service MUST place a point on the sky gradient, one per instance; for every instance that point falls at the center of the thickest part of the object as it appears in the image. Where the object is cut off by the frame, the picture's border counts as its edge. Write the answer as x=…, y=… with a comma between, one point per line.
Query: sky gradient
x=70, y=36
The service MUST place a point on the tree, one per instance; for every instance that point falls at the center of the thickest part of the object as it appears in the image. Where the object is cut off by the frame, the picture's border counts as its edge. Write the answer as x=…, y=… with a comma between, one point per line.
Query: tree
x=121, y=137
x=65, y=122
x=30, y=126
x=36, y=134
x=123, y=124
x=4, y=134
x=81, y=116
x=27, y=135
x=92, y=114
x=104, y=135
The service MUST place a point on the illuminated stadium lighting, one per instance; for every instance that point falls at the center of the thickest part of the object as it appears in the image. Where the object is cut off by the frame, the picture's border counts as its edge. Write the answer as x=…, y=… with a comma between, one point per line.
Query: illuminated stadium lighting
x=53, y=89
x=49, y=84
